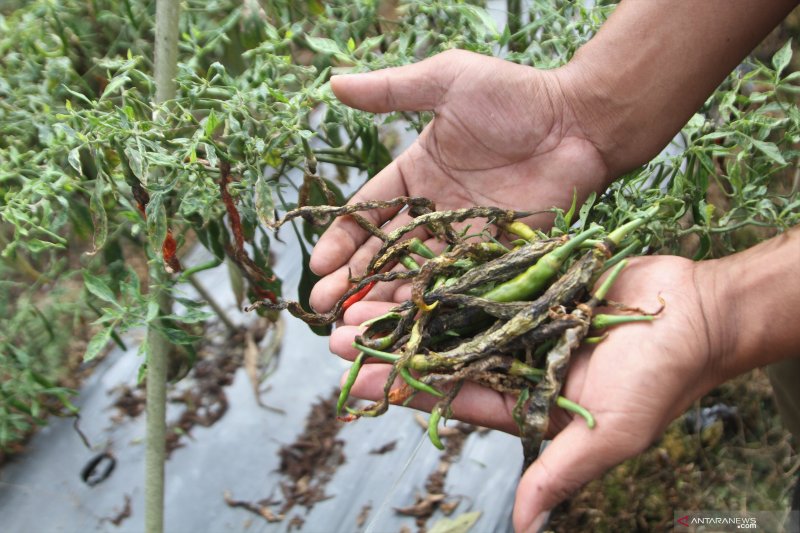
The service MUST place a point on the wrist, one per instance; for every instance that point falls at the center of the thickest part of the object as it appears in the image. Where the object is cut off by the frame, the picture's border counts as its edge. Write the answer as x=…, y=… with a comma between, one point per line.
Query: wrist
x=752, y=296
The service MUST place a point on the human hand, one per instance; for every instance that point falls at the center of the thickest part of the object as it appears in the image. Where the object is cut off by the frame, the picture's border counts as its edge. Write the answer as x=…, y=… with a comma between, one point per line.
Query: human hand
x=504, y=135
x=634, y=382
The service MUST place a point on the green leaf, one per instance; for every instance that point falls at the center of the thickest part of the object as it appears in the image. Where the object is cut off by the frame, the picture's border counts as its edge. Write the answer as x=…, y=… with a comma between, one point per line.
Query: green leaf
x=583, y=212
x=327, y=46
x=152, y=310
x=480, y=19
x=177, y=335
x=99, y=218
x=99, y=288
x=114, y=85
x=97, y=343
x=782, y=57
x=569, y=214
x=351, y=44
x=459, y=524
x=37, y=245
x=770, y=150
x=210, y=124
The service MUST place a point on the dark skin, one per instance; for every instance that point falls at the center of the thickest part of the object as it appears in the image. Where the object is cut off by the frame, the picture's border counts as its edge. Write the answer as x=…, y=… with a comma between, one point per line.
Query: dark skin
x=514, y=136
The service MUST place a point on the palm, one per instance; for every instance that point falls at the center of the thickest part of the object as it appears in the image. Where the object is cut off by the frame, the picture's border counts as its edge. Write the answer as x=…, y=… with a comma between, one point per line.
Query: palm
x=503, y=135
x=634, y=382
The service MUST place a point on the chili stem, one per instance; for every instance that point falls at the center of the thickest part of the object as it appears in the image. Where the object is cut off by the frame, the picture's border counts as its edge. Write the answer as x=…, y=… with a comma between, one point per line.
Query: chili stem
x=579, y=410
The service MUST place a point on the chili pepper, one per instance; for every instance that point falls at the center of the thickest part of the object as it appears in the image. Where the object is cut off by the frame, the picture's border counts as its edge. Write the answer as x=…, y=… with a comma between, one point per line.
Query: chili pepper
x=579, y=410
x=357, y=297
x=535, y=279
x=417, y=384
x=605, y=321
x=520, y=229
x=420, y=248
x=433, y=428
x=348, y=383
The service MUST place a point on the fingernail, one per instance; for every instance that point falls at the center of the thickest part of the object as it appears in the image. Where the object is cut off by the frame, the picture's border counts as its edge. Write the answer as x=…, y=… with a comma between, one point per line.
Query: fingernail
x=539, y=523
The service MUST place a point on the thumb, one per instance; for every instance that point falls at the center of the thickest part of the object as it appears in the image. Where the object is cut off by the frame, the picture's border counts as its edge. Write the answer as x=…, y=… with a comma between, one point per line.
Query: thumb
x=416, y=87
x=576, y=456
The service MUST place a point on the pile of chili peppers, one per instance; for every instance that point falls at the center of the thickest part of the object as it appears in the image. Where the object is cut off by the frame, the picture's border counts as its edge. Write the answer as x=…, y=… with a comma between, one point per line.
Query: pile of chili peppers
x=505, y=316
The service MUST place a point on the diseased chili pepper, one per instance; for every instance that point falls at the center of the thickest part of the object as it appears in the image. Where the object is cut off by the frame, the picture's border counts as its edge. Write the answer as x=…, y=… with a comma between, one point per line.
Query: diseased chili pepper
x=357, y=297
x=507, y=319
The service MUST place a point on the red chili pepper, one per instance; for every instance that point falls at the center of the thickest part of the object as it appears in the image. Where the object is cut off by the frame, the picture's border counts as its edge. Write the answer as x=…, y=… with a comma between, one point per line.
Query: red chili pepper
x=358, y=296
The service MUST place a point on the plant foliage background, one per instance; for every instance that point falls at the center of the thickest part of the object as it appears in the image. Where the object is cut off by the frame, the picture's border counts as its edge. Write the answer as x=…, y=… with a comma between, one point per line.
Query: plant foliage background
x=90, y=169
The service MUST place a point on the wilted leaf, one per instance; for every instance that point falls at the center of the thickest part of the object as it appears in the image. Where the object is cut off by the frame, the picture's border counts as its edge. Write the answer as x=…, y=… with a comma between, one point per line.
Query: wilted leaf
x=265, y=202
x=459, y=524
x=237, y=281
x=99, y=218
x=156, y=222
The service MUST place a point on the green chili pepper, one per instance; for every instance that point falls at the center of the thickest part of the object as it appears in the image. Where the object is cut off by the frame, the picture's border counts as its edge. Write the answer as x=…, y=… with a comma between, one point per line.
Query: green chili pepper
x=535, y=279
x=601, y=292
x=577, y=409
x=418, y=247
x=383, y=356
x=351, y=379
x=433, y=428
x=417, y=384
x=604, y=321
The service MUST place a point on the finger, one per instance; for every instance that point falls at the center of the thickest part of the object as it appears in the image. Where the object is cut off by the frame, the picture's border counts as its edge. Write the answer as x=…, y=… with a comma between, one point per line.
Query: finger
x=341, y=341
x=576, y=456
x=474, y=404
x=416, y=87
x=366, y=310
x=330, y=288
x=400, y=290
x=344, y=236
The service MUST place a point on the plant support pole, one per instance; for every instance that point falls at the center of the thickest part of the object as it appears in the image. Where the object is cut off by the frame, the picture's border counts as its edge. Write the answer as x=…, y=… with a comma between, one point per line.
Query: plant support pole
x=158, y=347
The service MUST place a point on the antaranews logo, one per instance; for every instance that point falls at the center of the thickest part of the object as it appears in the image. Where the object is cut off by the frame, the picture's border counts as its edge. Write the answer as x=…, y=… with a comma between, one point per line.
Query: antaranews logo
x=722, y=521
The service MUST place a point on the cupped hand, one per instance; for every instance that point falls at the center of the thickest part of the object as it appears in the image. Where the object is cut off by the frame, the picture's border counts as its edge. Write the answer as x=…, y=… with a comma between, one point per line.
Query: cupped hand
x=503, y=135
x=635, y=382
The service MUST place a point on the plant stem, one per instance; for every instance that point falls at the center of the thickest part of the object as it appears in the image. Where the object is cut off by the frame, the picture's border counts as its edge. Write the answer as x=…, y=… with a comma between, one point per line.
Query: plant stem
x=158, y=347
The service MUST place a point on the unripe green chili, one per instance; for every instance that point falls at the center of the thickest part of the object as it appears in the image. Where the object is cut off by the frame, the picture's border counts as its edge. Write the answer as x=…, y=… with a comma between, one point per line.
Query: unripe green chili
x=351, y=379
x=604, y=321
x=417, y=384
x=535, y=279
x=433, y=428
x=579, y=410
x=418, y=247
